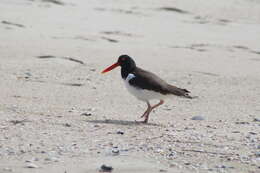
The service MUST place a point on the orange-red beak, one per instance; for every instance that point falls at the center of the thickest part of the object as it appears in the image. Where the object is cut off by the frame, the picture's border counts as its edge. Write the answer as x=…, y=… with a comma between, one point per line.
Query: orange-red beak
x=110, y=68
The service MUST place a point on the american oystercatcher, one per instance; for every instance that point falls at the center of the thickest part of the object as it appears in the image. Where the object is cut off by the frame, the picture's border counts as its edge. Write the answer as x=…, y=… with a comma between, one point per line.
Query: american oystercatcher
x=145, y=85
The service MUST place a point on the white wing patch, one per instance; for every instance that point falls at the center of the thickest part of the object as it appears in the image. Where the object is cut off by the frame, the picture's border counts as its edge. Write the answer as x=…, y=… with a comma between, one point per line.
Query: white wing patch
x=129, y=77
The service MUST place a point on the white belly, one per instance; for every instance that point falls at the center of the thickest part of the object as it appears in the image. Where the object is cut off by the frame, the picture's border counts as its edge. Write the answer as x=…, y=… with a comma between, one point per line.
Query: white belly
x=142, y=94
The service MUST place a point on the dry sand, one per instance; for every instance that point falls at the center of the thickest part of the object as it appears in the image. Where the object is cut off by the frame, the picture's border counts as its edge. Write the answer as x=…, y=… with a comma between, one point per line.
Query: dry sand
x=59, y=114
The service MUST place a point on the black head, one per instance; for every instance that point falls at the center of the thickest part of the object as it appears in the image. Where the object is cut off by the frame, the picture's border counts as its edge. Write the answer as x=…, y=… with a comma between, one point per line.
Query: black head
x=126, y=62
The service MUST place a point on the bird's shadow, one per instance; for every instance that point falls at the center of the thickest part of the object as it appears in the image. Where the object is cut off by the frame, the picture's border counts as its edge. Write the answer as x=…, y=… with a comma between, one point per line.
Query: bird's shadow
x=121, y=122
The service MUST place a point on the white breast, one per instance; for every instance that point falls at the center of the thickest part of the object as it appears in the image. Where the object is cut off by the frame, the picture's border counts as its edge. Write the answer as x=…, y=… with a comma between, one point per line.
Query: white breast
x=141, y=94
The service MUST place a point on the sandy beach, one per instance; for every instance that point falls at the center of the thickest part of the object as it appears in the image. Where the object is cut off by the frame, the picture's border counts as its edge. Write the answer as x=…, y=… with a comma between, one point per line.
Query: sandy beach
x=59, y=114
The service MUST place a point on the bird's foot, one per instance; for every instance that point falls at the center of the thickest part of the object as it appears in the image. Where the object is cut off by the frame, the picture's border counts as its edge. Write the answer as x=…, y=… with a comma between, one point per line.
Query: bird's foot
x=145, y=116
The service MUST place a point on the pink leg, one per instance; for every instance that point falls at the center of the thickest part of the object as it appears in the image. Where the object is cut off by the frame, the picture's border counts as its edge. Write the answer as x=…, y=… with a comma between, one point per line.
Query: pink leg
x=160, y=103
x=149, y=109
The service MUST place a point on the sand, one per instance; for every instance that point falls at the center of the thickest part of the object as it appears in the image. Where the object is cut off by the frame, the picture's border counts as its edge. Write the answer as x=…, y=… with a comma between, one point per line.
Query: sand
x=59, y=114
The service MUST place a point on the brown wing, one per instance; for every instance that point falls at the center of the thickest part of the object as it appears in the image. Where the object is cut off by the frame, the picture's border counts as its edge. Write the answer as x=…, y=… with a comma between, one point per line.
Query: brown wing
x=147, y=80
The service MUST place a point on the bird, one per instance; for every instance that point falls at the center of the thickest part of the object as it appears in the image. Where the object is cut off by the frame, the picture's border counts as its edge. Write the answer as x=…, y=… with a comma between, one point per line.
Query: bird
x=145, y=85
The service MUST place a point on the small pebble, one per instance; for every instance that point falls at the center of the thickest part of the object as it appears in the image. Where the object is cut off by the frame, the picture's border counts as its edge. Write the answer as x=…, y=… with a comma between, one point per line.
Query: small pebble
x=171, y=155
x=230, y=158
x=67, y=125
x=257, y=154
x=31, y=165
x=198, y=118
x=159, y=150
x=51, y=159
x=162, y=170
x=235, y=131
x=32, y=160
x=176, y=165
x=28, y=73
x=242, y=122
x=119, y=132
x=87, y=114
x=257, y=119
x=105, y=168
x=115, y=151
x=221, y=166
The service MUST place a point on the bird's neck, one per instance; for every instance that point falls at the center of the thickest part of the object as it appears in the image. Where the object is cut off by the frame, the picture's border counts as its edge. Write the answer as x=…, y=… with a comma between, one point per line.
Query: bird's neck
x=126, y=70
